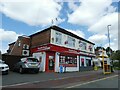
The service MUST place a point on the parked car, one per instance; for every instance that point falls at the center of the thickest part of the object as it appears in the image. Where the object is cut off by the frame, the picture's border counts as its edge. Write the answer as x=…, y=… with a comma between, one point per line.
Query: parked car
x=4, y=68
x=27, y=64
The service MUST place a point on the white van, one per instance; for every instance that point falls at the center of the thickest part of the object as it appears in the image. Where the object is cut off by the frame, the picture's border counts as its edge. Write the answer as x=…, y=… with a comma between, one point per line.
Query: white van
x=4, y=68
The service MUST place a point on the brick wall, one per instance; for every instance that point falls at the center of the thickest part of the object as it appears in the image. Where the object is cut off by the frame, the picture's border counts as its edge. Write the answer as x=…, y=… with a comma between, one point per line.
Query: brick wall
x=17, y=49
x=41, y=38
x=32, y=41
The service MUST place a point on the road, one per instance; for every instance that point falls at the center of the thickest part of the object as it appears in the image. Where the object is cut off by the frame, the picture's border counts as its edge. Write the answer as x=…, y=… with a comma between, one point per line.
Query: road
x=53, y=80
x=109, y=82
x=16, y=78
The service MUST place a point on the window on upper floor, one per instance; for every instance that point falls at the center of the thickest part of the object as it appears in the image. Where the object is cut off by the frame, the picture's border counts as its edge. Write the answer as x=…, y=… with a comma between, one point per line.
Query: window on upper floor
x=90, y=48
x=19, y=43
x=71, y=41
x=58, y=37
x=84, y=46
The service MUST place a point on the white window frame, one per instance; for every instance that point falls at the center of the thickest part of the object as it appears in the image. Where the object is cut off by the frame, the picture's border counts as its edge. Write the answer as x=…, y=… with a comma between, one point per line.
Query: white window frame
x=84, y=46
x=58, y=36
x=71, y=41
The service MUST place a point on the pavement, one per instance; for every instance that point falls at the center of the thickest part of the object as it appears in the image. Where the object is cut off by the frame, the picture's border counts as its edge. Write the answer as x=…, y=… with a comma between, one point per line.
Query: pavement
x=51, y=80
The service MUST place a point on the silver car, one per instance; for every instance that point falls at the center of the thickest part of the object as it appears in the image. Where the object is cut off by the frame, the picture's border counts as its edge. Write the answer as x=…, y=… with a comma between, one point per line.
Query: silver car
x=27, y=64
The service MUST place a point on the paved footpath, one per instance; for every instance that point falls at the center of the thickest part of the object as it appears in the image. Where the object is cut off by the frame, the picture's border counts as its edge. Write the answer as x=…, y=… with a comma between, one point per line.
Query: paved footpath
x=56, y=80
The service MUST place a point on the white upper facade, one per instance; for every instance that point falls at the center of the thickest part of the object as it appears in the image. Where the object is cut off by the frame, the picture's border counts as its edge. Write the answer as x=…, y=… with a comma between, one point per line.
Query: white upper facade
x=65, y=40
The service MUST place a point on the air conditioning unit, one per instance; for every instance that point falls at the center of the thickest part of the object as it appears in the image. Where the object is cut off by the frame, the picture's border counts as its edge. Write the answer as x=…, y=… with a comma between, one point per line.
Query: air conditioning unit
x=25, y=52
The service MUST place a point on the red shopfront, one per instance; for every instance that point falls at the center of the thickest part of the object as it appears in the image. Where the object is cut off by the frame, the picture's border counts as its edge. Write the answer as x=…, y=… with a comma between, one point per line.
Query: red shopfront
x=67, y=57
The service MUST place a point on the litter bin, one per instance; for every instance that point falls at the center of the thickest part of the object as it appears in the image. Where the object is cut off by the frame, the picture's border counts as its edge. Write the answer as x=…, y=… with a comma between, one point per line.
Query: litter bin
x=61, y=68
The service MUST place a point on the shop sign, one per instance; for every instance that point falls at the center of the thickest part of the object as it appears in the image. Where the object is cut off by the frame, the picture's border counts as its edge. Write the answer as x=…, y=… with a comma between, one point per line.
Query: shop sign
x=73, y=51
x=90, y=54
x=43, y=48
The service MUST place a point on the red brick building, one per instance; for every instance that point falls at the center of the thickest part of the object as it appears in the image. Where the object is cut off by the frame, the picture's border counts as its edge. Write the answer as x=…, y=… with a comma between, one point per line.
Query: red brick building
x=56, y=46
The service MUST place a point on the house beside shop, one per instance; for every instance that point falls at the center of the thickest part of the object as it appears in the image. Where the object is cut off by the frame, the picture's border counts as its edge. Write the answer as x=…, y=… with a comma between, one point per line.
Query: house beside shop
x=55, y=47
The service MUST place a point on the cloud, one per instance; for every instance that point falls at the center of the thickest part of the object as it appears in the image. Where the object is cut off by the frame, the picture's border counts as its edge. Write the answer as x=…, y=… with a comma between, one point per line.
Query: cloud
x=101, y=25
x=72, y=5
x=77, y=32
x=113, y=46
x=32, y=12
x=89, y=12
x=7, y=37
x=98, y=38
x=96, y=15
x=101, y=28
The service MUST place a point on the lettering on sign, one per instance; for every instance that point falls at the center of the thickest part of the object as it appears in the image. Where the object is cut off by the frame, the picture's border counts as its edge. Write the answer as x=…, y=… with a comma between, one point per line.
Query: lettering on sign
x=43, y=48
x=73, y=51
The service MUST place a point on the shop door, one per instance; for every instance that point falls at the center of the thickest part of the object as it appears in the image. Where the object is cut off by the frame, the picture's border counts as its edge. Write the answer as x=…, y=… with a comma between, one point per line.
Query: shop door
x=50, y=63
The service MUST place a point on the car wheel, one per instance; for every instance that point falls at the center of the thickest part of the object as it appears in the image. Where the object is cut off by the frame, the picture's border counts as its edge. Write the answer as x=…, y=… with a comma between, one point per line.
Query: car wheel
x=21, y=70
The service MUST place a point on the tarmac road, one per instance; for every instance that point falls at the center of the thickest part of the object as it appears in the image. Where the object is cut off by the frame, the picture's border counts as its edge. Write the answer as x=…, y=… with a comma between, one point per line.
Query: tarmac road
x=50, y=80
x=109, y=82
x=16, y=78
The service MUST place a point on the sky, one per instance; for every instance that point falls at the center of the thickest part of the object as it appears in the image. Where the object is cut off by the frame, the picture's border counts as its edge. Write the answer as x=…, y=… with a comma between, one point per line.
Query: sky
x=86, y=18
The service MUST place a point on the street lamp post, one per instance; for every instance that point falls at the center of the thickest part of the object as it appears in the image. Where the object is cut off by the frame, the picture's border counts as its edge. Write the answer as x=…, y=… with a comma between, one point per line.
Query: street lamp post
x=109, y=45
x=108, y=36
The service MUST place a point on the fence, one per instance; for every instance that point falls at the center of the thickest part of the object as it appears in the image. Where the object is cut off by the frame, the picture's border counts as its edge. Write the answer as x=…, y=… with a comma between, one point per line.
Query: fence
x=11, y=60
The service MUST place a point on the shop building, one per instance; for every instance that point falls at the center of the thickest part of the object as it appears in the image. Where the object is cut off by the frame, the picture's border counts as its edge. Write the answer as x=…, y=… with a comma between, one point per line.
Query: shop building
x=54, y=47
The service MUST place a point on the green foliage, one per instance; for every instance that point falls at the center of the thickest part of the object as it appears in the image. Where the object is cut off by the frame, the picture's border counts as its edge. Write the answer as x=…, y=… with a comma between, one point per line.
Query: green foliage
x=116, y=55
x=116, y=64
x=109, y=51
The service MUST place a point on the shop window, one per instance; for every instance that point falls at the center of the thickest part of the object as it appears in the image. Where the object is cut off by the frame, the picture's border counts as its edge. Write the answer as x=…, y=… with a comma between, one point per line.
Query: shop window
x=58, y=38
x=71, y=41
x=82, y=61
x=68, y=60
x=88, y=62
x=62, y=60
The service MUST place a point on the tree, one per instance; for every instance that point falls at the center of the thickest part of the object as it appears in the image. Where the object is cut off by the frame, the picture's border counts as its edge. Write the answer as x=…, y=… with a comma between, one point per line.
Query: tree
x=109, y=51
x=116, y=56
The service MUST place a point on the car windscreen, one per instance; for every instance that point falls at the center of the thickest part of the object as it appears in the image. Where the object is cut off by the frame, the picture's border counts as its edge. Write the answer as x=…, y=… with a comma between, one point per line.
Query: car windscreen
x=32, y=60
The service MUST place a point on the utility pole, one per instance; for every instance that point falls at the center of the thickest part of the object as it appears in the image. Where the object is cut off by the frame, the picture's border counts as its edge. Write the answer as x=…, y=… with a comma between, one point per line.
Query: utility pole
x=109, y=47
x=109, y=36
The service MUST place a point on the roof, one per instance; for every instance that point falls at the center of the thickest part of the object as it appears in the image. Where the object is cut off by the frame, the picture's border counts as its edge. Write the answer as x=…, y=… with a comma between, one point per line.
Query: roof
x=63, y=31
x=12, y=43
x=60, y=30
